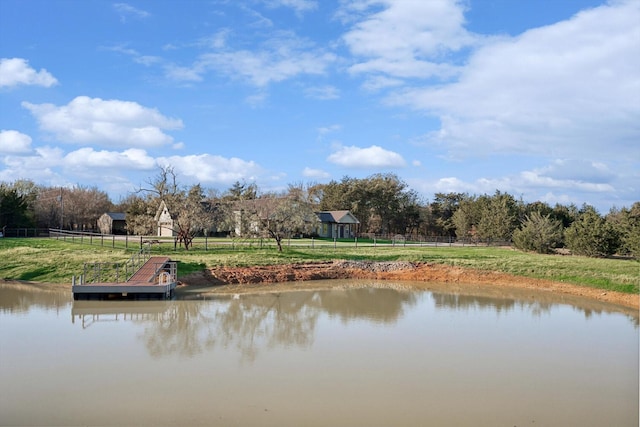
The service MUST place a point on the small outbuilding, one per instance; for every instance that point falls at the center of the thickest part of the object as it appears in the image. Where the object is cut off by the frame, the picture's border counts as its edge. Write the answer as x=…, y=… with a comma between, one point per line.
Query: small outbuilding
x=113, y=223
x=337, y=224
x=164, y=221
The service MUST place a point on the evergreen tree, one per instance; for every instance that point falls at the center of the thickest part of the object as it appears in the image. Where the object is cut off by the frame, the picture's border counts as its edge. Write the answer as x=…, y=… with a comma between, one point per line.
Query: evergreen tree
x=627, y=224
x=538, y=233
x=592, y=235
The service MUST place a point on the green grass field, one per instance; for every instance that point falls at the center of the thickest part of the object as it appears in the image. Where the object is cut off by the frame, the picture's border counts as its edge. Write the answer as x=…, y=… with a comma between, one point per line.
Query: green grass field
x=56, y=261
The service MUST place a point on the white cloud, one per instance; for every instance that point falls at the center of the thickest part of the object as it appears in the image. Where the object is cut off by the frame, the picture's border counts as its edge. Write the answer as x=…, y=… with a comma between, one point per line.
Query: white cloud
x=315, y=173
x=265, y=67
x=16, y=71
x=564, y=90
x=538, y=180
x=217, y=40
x=322, y=92
x=325, y=130
x=111, y=122
x=50, y=164
x=257, y=99
x=376, y=83
x=577, y=170
x=89, y=159
x=126, y=10
x=561, y=181
x=138, y=58
x=185, y=74
x=211, y=169
x=38, y=166
x=14, y=142
x=298, y=5
x=280, y=58
x=528, y=182
x=370, y=157
x=406, y=39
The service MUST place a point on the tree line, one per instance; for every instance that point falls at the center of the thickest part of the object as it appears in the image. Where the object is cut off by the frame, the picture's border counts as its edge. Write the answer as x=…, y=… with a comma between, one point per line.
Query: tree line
x=383, y=203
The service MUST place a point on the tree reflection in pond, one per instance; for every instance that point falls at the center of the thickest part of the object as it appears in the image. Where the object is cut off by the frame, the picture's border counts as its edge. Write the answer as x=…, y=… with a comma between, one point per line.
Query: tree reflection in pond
x=251, y=323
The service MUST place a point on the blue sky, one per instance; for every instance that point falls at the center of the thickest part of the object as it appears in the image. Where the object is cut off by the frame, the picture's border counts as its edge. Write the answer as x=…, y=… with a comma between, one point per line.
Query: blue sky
x=537, y=98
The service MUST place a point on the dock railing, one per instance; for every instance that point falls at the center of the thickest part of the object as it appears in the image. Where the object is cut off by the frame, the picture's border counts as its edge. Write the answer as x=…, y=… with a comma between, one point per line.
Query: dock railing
x=113, y=272
x=166, y=273
x=137, y=260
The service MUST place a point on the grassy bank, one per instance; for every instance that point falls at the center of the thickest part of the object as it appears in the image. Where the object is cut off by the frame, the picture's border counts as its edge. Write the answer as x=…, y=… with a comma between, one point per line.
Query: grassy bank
x=56, y=261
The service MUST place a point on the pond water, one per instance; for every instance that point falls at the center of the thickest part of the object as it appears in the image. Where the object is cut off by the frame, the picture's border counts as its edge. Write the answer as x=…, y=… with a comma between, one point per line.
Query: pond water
x=356, y=356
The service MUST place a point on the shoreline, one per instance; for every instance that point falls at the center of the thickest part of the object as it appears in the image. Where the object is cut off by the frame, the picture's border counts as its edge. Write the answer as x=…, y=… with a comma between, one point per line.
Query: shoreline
x=225, y=280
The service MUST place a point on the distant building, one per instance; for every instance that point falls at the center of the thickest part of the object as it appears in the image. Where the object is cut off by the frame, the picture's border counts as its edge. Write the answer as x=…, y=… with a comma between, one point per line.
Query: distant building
x=164, y=221
x=113, y=223
x=337, y=224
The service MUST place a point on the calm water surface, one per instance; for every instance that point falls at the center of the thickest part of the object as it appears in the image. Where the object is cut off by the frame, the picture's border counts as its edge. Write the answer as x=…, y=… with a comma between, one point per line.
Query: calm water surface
x=354, y=357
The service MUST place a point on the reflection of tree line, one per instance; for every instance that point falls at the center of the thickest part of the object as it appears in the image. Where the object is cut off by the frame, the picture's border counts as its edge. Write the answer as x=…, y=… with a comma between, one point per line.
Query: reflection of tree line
x=250, y=323
x=535, y=306
x=19, y=298
x=254, y=322
x=467, y=302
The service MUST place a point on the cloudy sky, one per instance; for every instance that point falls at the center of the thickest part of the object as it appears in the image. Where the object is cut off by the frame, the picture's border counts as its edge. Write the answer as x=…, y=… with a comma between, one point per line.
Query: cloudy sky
x=537, y=98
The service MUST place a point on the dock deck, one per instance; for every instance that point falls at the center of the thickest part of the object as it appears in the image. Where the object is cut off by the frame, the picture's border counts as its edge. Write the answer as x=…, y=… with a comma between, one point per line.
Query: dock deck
x=156, y=278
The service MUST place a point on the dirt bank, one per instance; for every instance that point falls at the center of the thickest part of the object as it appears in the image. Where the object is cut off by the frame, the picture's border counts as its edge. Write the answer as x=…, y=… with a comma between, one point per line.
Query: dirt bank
x=228, y=279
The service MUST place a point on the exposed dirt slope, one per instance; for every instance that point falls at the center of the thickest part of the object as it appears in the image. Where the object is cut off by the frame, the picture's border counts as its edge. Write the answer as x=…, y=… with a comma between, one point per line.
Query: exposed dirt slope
x=399, y=271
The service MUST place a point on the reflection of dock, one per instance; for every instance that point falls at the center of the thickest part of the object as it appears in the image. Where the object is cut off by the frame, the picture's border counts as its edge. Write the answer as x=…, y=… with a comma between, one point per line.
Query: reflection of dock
x=90, y=312
x=156, y=278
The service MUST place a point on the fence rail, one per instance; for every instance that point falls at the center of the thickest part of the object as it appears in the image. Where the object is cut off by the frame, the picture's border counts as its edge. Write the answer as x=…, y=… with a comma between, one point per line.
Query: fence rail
x=164, y=244
x=24, y=232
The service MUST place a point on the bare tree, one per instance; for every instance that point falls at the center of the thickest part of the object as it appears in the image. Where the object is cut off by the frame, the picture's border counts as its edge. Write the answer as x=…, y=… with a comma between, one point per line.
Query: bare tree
x=164, y=185
x=191, y=212
x=281, y=216
x=83, y=206
x=76, y=208
x=193, y=215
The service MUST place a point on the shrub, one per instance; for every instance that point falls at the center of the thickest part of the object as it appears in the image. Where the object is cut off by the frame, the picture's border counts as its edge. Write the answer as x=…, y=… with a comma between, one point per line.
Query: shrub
x=538, y=233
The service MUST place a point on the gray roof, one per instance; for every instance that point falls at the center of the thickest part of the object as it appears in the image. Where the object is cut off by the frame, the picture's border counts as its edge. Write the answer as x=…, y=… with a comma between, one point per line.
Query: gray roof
x=338, y=217
x=117, y=216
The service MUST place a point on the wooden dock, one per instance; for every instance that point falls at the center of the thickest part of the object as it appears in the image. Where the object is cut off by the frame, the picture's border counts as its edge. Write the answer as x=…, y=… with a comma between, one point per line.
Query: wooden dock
x=155, y=279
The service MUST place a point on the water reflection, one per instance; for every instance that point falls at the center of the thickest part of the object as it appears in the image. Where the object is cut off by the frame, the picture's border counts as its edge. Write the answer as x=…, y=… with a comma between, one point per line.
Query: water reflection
x=253, y=323
x=20, y=298
x=371, y=356
x=248, y=323
x=536, y=304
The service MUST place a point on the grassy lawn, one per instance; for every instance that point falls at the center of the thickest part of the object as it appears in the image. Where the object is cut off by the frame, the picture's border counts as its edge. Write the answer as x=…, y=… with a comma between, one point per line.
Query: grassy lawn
x=56, y=261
